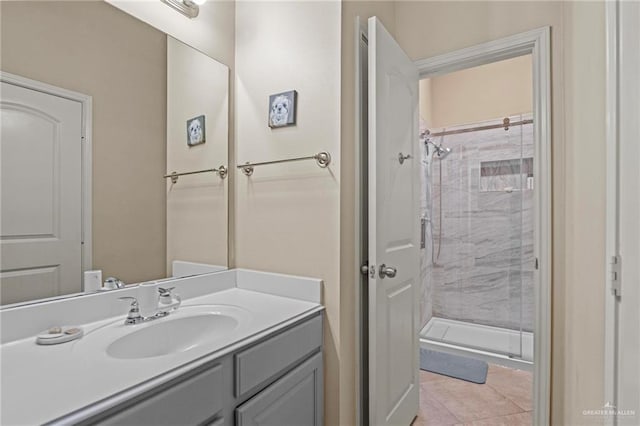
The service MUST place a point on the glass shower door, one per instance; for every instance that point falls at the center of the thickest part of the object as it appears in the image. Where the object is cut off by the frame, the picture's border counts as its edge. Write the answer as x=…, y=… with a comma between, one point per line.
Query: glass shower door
x=519, y=184
x=481, y=263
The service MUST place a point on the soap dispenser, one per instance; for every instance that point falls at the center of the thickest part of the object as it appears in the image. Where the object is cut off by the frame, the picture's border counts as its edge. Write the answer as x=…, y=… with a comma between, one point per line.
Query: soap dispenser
x=148, y=298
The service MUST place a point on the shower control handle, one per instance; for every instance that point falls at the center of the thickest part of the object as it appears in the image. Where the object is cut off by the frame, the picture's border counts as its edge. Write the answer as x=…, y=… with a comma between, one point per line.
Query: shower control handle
x=387, y=271
x=402, y=157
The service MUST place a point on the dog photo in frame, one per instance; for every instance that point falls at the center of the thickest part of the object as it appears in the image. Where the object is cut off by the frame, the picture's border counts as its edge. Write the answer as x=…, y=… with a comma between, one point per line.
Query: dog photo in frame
x=196, y=131
x=282, y=109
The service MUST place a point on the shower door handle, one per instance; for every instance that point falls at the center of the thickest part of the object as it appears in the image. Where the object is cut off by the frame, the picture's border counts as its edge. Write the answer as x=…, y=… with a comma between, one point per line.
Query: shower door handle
x=387, y=271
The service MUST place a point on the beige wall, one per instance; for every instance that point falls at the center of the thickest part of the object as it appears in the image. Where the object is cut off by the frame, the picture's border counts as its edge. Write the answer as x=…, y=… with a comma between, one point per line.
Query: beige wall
x=426, y=29
x=582, y=305
x=196, y=204
x=211, y=32
x=426, y=105
x=288, y=214
x=477, y=94
x=93, y=48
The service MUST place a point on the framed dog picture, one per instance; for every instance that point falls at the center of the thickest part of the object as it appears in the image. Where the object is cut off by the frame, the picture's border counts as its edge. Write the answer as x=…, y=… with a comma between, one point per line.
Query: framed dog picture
x=196, y=131
x=282, y=109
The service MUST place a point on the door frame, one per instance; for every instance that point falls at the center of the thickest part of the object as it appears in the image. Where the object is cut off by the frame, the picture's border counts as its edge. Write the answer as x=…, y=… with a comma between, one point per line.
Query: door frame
x=537, y=43
x=619, y=116
x=86, y=101
x=361, y=221
x=611, y=217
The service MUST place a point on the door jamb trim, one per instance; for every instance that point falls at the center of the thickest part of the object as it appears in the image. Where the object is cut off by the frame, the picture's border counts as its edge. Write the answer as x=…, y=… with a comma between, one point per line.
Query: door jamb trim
x=537, y=43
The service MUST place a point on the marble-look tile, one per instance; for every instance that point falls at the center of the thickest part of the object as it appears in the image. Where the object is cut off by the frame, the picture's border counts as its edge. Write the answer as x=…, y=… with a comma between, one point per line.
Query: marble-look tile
x=487, y=297
x=426, y=299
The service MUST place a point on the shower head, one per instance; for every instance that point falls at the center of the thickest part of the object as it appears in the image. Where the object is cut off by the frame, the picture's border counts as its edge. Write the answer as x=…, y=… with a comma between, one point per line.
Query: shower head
x=442, y=152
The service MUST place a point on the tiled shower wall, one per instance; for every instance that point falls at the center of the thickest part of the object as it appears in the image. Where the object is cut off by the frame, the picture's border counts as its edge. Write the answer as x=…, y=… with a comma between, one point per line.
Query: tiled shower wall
x=484, y=272
x=426, y=299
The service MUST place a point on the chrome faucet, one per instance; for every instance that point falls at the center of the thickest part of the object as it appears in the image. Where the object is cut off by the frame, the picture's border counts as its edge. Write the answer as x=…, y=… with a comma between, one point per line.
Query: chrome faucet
x=133, y=317
x=167, y=303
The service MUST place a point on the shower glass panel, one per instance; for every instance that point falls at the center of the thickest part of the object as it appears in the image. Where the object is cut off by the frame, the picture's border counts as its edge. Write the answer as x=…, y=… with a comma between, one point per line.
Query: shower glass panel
x=479, y=206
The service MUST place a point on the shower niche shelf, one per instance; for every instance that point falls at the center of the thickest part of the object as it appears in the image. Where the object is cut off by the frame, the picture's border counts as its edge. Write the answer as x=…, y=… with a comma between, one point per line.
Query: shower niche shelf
x=509, y=175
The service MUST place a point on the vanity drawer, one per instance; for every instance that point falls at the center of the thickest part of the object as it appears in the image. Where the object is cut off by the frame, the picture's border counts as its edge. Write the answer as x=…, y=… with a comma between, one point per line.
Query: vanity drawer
x=195, y=400
x=260, y=364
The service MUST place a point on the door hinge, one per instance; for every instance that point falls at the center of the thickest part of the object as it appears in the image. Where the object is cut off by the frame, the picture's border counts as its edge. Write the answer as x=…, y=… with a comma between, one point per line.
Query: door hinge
x=536, y=264
x=616, y=278
x=364, y=268
x=423, y=232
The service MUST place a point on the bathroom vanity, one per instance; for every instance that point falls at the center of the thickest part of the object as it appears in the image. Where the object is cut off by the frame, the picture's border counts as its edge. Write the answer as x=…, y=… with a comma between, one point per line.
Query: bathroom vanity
x=244, y=348
x=277, y=380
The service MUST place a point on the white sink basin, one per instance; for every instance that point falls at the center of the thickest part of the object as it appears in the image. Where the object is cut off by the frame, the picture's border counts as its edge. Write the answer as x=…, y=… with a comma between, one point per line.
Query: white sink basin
x=183, y=330
x=170, y=335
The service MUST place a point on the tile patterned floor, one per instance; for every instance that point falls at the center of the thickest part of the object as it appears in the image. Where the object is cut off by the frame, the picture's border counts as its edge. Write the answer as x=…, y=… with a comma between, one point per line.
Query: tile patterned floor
x=504, y=400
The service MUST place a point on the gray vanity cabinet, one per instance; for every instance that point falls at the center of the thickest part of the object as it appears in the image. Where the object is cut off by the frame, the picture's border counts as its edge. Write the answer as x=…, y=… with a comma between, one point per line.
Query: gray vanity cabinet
x=276, y=380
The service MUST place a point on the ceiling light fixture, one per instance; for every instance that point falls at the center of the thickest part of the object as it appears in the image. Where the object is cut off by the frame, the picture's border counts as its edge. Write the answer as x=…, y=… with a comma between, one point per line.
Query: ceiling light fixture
x=188, y=8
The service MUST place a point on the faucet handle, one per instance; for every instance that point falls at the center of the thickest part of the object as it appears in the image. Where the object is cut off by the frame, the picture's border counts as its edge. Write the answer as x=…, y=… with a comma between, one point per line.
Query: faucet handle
x=135, y=300
x=133, y=317
x=168, y=301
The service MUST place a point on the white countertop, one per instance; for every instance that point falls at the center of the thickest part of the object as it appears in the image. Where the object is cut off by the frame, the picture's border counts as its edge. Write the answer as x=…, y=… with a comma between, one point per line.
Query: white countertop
x=42, y=383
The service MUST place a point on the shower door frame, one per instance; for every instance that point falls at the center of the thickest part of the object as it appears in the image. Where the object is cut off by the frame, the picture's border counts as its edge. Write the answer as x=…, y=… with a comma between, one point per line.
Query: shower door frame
x=537, y=44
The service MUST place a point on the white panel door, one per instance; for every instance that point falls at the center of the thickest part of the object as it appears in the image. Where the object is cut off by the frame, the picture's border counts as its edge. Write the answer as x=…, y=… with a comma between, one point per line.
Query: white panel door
x=40, y=195
x=393, y=231
x=629, y=214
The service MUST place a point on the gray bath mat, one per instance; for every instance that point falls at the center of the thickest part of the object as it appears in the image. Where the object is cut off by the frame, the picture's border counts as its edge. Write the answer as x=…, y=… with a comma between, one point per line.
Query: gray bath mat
x=469, y=369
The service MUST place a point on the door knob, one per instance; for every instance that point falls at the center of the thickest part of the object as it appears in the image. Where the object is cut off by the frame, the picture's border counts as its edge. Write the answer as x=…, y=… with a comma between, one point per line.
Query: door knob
x=387, y=271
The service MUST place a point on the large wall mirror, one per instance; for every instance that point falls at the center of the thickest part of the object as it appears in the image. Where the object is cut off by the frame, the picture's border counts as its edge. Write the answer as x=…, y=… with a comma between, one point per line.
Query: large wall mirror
x=152, y=106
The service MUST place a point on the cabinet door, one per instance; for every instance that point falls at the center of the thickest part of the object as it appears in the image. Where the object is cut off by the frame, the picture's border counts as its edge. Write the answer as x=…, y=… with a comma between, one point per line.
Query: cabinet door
x=295, y=399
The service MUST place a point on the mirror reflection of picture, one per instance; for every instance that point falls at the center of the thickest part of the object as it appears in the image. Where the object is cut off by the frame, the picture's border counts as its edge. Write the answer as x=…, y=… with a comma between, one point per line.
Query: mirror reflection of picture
x=196, y=131
x=282, y=109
